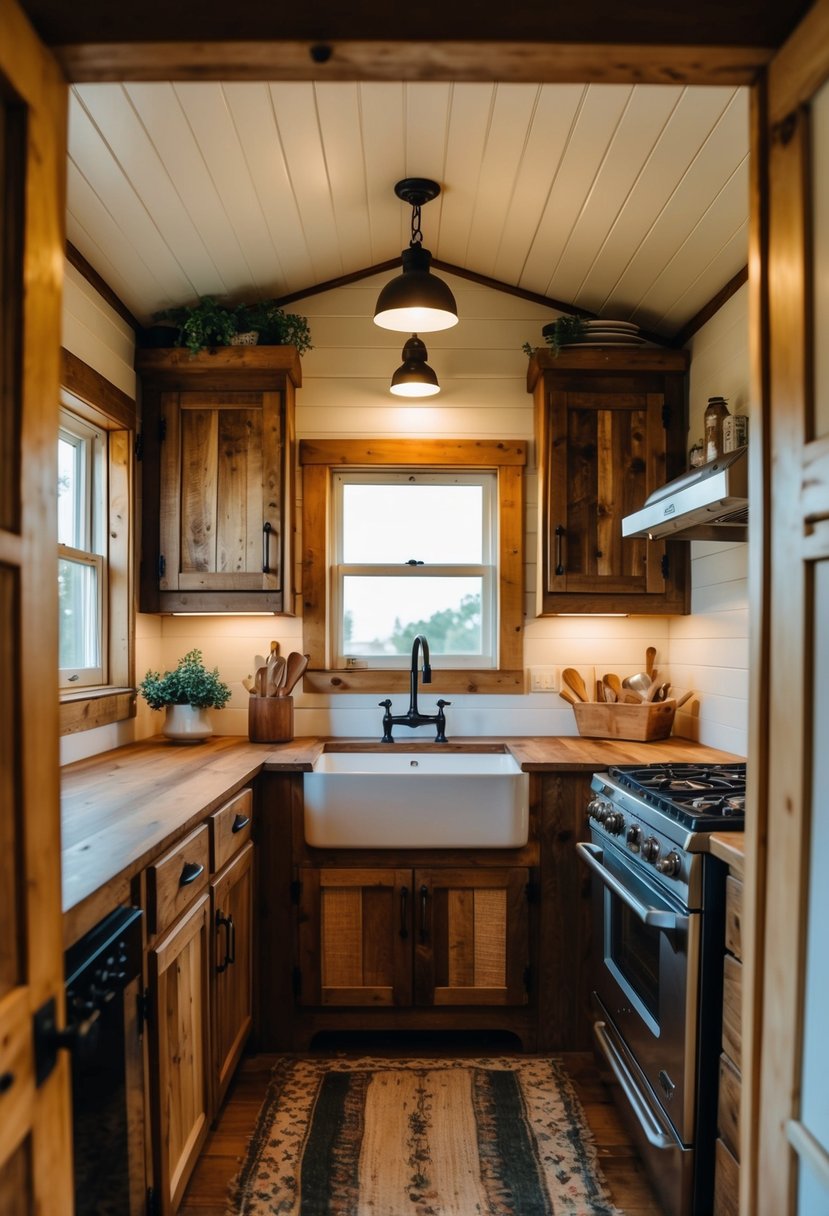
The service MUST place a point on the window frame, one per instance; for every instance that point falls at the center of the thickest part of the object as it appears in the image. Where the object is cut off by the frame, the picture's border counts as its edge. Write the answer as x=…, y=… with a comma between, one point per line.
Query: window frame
x=102, y=406
x=91, y=493
x=486, y=569
x=319, y=461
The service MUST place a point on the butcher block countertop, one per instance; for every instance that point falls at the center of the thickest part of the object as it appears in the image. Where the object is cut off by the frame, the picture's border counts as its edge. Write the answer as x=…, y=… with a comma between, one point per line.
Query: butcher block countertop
x=729, y=847
x=122, y=808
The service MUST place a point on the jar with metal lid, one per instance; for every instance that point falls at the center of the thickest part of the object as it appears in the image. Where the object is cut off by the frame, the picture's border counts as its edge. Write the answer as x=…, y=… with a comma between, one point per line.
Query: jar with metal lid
x=715, y=412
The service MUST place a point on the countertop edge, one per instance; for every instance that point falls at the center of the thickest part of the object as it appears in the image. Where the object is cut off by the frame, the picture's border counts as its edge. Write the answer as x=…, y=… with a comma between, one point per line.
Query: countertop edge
x=176, y=788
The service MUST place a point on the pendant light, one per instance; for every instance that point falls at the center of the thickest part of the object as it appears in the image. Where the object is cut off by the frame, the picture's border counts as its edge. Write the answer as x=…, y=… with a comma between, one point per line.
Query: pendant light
x=414, y=377
x=416, y=301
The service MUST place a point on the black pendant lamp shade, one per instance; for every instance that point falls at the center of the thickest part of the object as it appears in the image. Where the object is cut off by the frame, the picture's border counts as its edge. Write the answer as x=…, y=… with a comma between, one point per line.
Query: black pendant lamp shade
x=414, y=377
x=416, y=301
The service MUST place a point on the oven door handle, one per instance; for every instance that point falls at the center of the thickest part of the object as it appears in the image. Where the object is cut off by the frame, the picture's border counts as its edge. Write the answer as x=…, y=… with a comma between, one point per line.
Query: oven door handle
x=653, y=1129
x=592, y=855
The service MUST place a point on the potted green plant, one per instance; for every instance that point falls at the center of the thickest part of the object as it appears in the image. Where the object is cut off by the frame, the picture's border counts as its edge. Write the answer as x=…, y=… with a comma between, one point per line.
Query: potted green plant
x=186, y=693
x=564, y=331
x=210, y=323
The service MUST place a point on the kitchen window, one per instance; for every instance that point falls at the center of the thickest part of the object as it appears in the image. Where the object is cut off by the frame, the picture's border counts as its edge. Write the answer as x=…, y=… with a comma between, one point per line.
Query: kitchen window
x=402, y=537
x=414, y=554
x=82, y=574
x=95, y=452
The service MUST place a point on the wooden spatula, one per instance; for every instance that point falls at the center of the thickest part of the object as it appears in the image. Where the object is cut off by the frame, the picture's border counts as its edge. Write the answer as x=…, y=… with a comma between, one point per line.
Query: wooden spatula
x=575, y=683
x=650, y=659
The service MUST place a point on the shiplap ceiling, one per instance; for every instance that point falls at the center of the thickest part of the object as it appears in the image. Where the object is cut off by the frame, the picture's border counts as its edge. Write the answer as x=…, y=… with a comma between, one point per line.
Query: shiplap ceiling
x=628, y=201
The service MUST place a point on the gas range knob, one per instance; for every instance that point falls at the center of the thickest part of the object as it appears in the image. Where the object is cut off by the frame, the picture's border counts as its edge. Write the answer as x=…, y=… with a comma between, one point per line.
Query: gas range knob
x=670, y=865
x=598, y=810
x=650, y=849
x=615, y=822
x=634, y=836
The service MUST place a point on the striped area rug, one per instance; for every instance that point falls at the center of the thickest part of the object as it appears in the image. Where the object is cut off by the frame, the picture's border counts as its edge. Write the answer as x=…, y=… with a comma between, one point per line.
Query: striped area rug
x=420, y=1137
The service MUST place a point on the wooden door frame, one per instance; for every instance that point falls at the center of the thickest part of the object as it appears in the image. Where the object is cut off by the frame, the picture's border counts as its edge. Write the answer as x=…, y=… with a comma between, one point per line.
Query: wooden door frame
x=579, y=63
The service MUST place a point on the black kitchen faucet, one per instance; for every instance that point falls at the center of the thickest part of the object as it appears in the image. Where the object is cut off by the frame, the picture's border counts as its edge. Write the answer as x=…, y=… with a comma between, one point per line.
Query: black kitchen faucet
x=413, y=717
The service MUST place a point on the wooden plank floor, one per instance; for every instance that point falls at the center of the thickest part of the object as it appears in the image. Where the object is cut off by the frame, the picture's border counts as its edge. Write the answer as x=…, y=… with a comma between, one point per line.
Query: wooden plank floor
x=206, y=1194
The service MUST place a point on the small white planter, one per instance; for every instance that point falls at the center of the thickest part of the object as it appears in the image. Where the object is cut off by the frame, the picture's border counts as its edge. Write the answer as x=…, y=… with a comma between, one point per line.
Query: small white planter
x=187, y=724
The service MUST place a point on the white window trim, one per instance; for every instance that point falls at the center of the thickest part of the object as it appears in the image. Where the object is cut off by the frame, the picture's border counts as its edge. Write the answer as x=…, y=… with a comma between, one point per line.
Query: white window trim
x=92, y=487
x=486, y=570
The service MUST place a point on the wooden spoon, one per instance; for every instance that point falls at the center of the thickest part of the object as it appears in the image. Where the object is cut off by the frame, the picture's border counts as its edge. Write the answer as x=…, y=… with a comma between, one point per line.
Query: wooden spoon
x=650, y=659
x=575, y=683
x=612, y=681
x=685, y=696
x=276, y=674
x=568, y=697
x=294, y=672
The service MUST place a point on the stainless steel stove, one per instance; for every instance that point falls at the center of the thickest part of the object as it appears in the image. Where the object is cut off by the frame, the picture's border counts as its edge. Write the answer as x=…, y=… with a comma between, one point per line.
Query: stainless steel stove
x=659, y=927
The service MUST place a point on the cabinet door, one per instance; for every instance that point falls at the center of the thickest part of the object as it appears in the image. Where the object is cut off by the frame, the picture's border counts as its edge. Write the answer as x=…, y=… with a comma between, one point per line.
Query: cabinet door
x=232, y=919
x=610, y=431
x=180, y=1051
x=355, y=937
x=220, y=522
x=471, y=937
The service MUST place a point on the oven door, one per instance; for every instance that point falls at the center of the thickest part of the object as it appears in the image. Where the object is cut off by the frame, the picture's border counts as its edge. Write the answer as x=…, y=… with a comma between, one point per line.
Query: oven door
x=647, y=952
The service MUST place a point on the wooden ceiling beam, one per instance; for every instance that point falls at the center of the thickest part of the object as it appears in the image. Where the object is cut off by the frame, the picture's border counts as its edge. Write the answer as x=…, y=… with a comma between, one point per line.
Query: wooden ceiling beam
x=535, y=62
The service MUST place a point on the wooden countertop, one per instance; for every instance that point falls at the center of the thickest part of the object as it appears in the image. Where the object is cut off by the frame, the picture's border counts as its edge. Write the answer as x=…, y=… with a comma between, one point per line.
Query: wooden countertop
x=729, y=847
x=122, y=808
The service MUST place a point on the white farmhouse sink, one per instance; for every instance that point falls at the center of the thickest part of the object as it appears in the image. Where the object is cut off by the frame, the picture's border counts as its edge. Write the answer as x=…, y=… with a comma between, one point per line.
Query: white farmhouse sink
x=416, y=800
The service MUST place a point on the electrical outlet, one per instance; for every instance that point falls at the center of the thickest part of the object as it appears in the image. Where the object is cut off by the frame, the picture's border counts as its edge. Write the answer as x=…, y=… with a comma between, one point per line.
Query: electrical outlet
x=544, y=678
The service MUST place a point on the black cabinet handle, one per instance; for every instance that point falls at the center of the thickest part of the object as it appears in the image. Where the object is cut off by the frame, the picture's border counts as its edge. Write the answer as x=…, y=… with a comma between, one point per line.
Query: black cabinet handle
x=231, y=953
x=190, y=873
x=560, y=534
x=226, y=923
x=404, y=912
x=266, y=548
x=241, y=821
x=424, y=913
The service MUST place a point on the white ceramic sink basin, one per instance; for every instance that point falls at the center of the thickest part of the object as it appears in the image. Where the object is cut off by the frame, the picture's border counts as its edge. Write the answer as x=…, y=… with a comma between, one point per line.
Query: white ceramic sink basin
x=416, y=800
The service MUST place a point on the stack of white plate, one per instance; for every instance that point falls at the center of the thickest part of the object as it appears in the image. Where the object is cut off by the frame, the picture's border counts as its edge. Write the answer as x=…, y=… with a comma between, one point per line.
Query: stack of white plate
x=609, y=333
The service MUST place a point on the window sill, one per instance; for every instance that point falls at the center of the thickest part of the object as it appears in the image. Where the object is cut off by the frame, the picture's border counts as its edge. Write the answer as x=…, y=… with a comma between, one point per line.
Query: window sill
x=458, y=680
x=91, y=707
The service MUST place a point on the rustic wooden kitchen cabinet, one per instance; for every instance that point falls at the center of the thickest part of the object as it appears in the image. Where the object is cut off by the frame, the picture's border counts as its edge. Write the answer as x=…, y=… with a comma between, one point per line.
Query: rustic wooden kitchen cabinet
x=232, y=938
x=200, y=977
x=727, y=1168
x=217, y=446
x=610, y=428
x=430, y=936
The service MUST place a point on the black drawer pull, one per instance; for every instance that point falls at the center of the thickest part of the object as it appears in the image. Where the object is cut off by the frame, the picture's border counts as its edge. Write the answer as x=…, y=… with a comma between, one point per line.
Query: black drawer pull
x=190, y=873
x=241, y=821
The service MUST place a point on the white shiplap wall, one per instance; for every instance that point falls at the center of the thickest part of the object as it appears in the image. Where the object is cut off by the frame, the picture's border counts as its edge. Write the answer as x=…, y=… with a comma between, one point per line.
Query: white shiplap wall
x=709, y=648
x=97, y=334
x=482, y=371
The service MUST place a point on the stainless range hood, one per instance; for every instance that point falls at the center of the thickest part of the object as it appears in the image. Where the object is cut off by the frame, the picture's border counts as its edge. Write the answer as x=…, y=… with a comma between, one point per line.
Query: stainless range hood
x=709, y=503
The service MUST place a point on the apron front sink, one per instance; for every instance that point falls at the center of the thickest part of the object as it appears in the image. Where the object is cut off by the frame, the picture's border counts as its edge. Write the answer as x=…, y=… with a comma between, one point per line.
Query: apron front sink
x=416, y=800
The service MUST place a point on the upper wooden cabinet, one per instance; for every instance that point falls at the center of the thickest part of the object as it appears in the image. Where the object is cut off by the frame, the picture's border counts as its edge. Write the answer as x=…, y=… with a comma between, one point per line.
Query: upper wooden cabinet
x=610, y=429
x=218, y=461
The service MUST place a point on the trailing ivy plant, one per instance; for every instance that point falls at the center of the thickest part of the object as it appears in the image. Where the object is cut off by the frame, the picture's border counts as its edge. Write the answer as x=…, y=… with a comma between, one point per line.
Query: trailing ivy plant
x=210, y=323
x=564, y=331
x=190, y=684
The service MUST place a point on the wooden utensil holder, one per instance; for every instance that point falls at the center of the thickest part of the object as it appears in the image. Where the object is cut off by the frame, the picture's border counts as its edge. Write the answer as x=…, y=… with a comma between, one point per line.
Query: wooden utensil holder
x=639, y=723
x=270, y=719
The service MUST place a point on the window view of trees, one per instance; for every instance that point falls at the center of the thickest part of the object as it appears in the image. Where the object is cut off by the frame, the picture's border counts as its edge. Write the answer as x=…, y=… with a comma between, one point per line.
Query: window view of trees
x=448, y=631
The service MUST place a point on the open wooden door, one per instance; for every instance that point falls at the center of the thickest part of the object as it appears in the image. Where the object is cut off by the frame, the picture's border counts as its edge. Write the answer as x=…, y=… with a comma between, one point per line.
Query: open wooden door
x=785, y=1101
x=35, y=1145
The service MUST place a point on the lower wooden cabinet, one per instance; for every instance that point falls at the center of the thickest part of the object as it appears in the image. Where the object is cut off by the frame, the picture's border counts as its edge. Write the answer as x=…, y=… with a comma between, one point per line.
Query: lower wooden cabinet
x=180, y=1092
x=727, y=1167
x=231, y=902
x=399, y=937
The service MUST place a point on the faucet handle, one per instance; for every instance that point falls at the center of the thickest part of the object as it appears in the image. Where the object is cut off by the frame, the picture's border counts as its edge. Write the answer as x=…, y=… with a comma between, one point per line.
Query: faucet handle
x=441, y=703
x=385, y=704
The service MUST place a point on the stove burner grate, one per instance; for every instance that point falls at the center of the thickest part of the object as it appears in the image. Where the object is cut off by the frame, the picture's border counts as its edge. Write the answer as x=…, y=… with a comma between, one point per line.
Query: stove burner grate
x=693, y=794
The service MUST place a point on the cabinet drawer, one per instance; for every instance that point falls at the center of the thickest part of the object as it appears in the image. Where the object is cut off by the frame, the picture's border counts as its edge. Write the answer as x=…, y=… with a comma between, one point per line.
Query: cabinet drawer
x=726, y=1183
x=230, y=828
x=734, y=916
x=732, y=1008
x=728, y=1108
x=175, y=880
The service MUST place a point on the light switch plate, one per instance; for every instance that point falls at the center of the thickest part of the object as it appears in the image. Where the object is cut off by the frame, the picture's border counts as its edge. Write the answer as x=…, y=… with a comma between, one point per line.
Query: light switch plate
x=544, y=678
